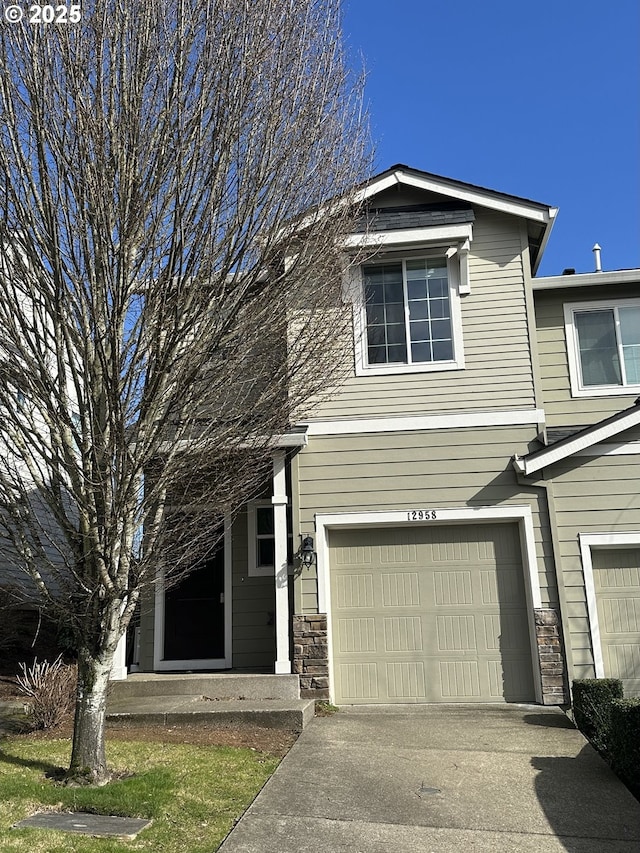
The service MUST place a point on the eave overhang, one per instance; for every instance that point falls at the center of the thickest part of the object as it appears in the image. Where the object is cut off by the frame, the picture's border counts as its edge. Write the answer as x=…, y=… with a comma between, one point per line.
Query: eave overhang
x=540, y=217
x=590, y=279
x=533, y=462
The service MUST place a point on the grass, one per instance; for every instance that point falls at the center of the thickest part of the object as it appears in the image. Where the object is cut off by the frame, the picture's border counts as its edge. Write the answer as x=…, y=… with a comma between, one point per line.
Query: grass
x=192, y=793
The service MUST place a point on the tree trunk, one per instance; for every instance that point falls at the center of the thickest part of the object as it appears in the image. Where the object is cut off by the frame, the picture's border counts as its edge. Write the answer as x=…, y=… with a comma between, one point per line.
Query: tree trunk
x=88, y=757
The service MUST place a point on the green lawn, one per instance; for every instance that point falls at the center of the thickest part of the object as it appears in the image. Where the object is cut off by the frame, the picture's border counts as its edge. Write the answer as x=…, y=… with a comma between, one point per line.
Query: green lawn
x=192, y=793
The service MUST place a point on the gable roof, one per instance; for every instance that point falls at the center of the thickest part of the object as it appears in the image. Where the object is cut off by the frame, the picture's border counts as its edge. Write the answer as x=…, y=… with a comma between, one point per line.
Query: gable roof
x=570, y=444
x=540, y=217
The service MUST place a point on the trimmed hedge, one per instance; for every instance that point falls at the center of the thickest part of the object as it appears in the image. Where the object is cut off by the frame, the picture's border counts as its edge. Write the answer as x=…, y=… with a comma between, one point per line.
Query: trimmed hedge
x=624, y=741
x=592, y=699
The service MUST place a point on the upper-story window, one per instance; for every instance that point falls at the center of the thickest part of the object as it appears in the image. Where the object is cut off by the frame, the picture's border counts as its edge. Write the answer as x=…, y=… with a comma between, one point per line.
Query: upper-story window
x=409, y=318
x=603, y=340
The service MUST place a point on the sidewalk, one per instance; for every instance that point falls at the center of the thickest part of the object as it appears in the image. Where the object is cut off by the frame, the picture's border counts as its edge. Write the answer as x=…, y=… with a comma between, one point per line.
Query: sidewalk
x=437, y=779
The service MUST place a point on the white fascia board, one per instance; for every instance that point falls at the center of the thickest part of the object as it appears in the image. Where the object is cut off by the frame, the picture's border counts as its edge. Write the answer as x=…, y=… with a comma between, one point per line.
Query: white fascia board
x=587, y=438
x=484, y=198
x=440, y=233
x=590, y=279
x=291, y=439
x=377, y=186
x=418, y=423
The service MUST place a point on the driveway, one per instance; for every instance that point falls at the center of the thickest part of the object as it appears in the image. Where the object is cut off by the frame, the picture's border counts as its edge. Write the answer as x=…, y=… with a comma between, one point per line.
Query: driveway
x=409, y=779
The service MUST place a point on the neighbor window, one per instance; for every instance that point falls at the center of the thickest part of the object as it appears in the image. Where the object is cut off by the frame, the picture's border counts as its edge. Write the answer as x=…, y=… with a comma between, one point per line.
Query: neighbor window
x=408, y=314
x=604, y=347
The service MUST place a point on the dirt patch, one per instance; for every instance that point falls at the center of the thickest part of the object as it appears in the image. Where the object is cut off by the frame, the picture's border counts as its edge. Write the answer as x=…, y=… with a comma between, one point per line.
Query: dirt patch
x=275, y=742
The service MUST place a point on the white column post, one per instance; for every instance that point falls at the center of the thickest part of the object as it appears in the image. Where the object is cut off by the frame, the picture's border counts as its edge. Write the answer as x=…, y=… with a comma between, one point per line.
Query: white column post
x=119, y=666
x=279, y=500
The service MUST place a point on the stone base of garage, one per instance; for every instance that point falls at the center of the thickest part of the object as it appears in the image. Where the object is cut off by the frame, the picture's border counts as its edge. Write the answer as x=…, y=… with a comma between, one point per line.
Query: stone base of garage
x=552, y=668
x=311, y=655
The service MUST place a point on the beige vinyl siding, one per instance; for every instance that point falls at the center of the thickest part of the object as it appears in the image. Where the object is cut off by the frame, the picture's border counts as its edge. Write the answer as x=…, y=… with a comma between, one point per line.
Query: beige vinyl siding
x=560, y=407
x=253, y=605
x=429, y=469
x=498, y=372
x=592, y=495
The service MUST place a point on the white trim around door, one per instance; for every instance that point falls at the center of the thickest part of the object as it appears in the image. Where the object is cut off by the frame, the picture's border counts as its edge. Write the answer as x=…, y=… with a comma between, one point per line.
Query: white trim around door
x=161, y=665
x=588, y=541
x=435, y=516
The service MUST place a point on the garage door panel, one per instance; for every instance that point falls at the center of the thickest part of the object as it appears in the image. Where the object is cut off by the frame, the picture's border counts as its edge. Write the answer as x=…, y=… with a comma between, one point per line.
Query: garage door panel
x=354, y=590
x=402, y=633
x=356, y=635
x=453, y=628
x=406, y=681
x=616, y=575
x=452, y=588
x=400, y=589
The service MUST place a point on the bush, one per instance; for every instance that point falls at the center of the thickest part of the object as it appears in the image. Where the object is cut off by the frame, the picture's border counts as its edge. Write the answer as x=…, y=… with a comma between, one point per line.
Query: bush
x=51, y=689
x=624, y=741
x=592, y=699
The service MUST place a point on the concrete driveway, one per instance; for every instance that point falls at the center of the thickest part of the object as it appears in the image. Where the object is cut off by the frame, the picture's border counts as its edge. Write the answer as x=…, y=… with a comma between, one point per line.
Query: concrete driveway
x=440, y=778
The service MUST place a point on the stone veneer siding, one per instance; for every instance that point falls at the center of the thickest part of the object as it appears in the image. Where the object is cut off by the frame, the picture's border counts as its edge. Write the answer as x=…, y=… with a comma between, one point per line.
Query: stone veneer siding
x=311, y=655
x=552, y=668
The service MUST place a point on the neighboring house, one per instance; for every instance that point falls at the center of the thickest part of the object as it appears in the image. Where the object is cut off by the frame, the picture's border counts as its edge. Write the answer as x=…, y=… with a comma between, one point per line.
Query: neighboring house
x=464, y=511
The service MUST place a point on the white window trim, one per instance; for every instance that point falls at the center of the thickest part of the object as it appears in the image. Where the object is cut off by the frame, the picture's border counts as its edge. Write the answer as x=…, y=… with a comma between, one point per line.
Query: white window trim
x=457, y=269
x=256, y=571
x=521, y=514
x=577, y=388
x=589, y=541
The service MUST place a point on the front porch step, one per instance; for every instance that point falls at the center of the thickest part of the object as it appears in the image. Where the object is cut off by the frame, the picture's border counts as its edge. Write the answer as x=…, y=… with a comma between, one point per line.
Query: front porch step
x=222, y=686
x=291, y=714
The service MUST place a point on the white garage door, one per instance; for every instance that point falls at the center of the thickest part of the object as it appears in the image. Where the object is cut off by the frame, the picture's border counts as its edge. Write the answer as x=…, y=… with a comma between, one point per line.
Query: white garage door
x=429, y=614
x=616, y=577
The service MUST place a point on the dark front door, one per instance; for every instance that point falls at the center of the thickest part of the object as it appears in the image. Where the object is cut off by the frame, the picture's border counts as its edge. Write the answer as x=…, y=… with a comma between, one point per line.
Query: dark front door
x=194, y=613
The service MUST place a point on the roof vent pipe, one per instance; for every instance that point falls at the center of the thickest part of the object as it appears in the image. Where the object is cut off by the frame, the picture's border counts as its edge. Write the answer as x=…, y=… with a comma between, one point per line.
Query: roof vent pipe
x=596, y=253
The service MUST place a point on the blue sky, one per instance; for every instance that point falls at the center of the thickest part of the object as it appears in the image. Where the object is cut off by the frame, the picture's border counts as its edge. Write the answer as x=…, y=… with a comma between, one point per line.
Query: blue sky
x=537, y=100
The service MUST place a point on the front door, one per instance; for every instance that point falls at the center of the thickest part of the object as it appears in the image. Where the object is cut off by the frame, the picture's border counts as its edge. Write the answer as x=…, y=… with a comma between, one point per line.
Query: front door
x=194, y=616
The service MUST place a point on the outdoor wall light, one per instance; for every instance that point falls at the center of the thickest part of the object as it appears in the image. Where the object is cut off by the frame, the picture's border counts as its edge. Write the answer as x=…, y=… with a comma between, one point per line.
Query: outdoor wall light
x=307, y=554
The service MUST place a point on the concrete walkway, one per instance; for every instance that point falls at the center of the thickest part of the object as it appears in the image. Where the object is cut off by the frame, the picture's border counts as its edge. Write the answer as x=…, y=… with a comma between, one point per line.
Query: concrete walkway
x=435, y=779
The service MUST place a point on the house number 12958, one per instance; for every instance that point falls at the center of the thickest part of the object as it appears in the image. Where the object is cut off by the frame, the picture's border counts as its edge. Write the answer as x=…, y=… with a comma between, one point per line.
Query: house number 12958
x=421, y=515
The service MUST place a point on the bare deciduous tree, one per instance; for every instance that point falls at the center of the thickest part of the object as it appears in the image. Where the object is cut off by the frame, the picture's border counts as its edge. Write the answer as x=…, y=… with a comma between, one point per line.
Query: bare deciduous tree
x=169, y=291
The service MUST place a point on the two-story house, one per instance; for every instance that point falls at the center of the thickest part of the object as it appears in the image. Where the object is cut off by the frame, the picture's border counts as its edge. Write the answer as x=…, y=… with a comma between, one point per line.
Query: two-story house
x=464, y=511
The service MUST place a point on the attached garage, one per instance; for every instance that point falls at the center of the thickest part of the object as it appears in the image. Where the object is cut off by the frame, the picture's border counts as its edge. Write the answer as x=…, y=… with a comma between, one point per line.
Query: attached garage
x=429, y=613
x=616, y=581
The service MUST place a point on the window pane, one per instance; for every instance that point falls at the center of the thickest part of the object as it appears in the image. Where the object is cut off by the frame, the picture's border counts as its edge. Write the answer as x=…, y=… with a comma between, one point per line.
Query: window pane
x=439, y=308
x=441, y=330
x=393, y=293
x=397, y=354
x=377, y=355
x=630, y=325
x=438, y=288
x=442, y=350
x=630, y=337
x=421, y=352
x=419, y=309
x=420, y=331
x=417, y=289
x=394, y=313
x=376, y=335
x=375, y=314
x=396, y=334
x=264, y=520
x=374, y=294
x=597, y=348
x=266, y=552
